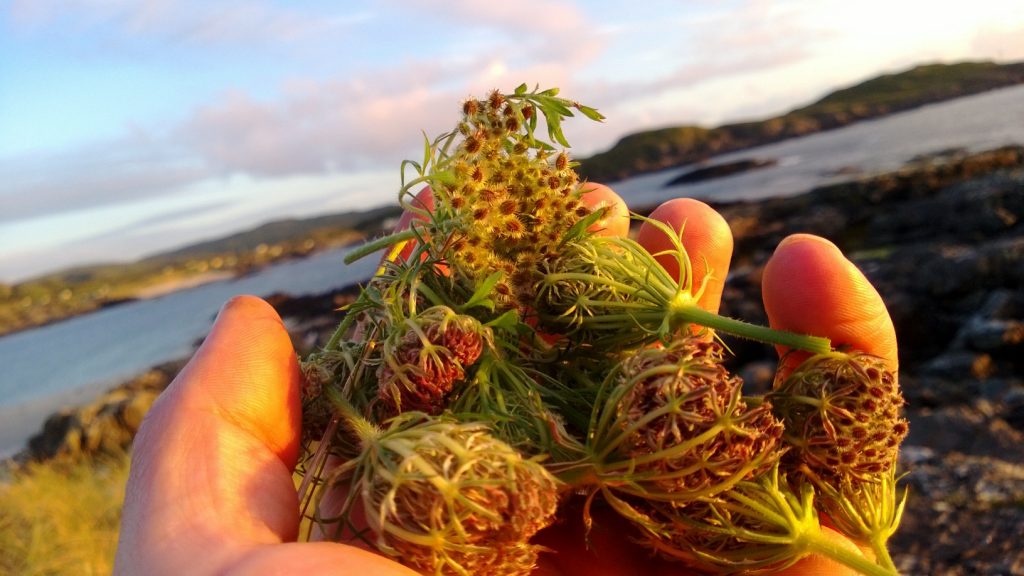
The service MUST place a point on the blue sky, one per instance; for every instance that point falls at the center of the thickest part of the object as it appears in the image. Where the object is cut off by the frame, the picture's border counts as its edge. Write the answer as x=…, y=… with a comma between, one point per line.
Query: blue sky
x=128, y=127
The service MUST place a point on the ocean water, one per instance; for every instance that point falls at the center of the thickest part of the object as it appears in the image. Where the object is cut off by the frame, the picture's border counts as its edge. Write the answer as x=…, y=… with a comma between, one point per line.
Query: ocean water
x=71, y=362
x=976, y=123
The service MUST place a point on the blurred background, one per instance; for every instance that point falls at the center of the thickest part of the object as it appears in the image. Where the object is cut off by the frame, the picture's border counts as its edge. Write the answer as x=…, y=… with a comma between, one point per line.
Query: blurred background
x=160, y=156
x=136, y=126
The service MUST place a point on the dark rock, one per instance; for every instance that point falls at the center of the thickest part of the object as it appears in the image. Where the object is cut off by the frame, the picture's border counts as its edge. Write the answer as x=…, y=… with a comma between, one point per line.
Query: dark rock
x=312, y=306
x=702, y=174
x=1014, y=401
x=967, y=430
x=995, y=336
x=757, y=377
x=106, y=426
x=963, y=516
x=944, y=154
x=959, y=366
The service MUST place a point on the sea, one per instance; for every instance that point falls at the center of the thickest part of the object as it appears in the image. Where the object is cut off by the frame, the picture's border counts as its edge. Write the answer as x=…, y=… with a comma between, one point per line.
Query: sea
x=72, y=362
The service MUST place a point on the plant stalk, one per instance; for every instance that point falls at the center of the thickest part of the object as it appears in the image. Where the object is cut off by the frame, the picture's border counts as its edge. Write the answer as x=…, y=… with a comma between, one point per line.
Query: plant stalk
x=816, y=543
x=378, y=244
x=696, y=315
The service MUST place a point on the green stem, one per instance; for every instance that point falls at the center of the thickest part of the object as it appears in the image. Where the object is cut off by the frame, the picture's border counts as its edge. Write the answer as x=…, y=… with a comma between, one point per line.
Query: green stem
x=818, y=544
x=882, y=553
x=379, y=243
x=339, y=332
x=695, y=314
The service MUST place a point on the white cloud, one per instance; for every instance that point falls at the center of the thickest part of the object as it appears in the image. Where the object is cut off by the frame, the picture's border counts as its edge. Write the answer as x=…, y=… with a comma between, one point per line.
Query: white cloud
x=123, y=170
x=183, y=21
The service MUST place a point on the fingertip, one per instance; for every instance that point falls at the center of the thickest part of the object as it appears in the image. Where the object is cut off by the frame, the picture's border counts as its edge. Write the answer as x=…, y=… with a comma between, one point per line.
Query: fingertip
x=615, y=221
x=801, y=241
x=247, y=370
x=247, y=308
x=707, y=238
x=810, y=287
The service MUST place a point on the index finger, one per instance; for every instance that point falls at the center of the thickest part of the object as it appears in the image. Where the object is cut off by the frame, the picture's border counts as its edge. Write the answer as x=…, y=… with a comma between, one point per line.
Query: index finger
x=809, y=287
x=707, y=239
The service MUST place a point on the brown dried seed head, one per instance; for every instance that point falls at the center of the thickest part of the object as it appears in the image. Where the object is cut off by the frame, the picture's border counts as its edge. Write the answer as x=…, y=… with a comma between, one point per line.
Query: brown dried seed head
x=422, y=366
x=838, y=395
x=695, y=396
x=496, y=100
x=508, y=207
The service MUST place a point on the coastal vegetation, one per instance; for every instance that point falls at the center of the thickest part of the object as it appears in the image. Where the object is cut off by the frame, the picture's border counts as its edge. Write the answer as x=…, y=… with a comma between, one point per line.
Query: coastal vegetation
x=62, y=516
x=84, y=289
x=674, y=146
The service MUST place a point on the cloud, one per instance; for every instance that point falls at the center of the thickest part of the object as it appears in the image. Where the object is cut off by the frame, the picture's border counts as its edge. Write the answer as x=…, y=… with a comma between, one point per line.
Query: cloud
x=189, y=22
x=364, y=121
x=372, y=118
x=521, y=17
x=326, y=126
x=128, y=169
x=170, y=219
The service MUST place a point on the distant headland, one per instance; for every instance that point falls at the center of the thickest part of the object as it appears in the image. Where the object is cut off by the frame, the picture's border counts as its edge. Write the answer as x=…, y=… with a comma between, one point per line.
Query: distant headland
x=663, y=148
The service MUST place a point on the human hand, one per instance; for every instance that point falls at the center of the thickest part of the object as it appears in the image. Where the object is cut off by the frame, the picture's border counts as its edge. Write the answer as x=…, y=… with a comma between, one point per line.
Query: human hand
x=211, y=488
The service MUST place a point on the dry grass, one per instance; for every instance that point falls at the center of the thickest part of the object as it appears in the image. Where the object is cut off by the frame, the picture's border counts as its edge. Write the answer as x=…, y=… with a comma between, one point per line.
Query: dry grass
x=61, y=518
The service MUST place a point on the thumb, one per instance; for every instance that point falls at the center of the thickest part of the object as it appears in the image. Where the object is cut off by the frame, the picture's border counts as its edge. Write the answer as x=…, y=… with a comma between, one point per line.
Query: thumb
x=211, y=465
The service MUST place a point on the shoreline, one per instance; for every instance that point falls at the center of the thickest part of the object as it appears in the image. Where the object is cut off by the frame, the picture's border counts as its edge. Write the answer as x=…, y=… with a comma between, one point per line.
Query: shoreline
x=167, y=287
x=310, y=317
x=634, y=154
x=170, y=286
x=956, y=224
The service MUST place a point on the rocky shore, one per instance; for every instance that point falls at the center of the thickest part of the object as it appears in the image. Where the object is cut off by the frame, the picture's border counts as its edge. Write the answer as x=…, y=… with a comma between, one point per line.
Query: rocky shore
x=942, y=240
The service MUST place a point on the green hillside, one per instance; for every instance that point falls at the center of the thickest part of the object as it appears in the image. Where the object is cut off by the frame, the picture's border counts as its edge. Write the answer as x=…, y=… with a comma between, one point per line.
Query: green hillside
x=280, y=231
x=86, y=288
x=668, y=147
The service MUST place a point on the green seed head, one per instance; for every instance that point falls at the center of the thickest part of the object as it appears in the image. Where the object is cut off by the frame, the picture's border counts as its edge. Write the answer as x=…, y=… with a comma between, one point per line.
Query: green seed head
x=319, y=372
x=756, y=526
x=510, y=202
x=842, y=416
x=450, y=498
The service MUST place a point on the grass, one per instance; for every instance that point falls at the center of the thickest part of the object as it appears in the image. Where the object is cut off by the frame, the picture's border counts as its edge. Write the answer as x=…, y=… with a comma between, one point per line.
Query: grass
x=61, y=518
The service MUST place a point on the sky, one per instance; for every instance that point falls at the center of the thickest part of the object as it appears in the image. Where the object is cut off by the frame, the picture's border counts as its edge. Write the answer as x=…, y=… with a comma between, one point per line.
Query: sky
x=128, y=127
